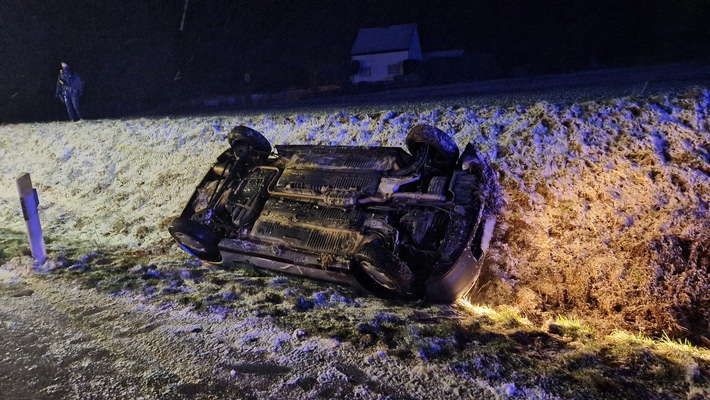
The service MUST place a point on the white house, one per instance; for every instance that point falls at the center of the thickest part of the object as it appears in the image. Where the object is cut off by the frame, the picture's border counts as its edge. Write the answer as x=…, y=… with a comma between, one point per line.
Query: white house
x=381, y=52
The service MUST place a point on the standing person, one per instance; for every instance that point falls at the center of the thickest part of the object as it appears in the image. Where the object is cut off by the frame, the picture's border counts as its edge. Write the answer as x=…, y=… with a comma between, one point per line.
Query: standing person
x=69, y=88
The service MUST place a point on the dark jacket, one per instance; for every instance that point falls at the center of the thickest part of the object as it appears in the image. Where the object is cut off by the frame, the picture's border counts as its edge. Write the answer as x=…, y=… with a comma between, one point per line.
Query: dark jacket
x=69, y=83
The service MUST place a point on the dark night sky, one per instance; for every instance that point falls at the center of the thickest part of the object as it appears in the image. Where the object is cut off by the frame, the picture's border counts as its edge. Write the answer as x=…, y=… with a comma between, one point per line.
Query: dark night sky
x=133, y=55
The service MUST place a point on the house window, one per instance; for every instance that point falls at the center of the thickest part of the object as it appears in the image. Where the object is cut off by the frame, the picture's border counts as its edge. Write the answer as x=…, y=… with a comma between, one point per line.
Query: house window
x=365, y=71
x=394, y=69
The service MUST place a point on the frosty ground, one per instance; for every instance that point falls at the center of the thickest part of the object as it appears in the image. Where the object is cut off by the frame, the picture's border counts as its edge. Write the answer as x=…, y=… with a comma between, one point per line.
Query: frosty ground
x=602, y=243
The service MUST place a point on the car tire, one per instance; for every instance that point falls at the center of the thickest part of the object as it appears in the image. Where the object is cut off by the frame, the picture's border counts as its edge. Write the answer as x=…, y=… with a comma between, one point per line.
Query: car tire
x=197, y=239
x=242, y=137
x=381, y=271
x=445, y=151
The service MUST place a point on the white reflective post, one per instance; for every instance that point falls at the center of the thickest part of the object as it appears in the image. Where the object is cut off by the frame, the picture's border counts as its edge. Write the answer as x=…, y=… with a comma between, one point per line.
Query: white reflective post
x=29, y=202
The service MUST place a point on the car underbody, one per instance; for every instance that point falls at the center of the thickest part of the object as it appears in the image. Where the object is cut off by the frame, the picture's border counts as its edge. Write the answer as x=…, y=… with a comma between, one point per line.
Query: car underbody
x=394, y=223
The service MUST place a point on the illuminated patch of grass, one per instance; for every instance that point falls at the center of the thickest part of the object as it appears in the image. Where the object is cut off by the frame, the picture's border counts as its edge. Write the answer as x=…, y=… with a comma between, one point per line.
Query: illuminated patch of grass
x=510, y=318
x=574, y=361
x=474, y=309
x=571, y=327
x=684, y=346
x=506, y=318
x=678, y=349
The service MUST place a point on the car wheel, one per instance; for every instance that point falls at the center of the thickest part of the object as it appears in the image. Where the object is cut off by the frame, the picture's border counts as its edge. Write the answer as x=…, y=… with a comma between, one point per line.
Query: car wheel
x=381, y=271
x=198, y=240
x=241, y=137
x=445, y=152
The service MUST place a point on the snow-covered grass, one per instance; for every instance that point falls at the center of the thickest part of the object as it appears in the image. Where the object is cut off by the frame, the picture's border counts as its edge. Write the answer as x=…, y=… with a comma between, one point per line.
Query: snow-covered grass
x=605, y=203
x=604, y=217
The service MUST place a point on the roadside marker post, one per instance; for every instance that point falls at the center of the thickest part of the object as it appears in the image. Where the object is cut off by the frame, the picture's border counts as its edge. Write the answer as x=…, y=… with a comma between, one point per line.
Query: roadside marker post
x=29, y=202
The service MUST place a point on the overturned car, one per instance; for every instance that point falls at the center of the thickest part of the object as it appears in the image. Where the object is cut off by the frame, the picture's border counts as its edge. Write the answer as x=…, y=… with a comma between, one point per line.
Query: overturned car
x=406, y=224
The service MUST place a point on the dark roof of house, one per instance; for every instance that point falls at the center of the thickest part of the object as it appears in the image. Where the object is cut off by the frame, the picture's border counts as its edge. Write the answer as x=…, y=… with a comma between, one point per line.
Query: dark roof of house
x=383, y=40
